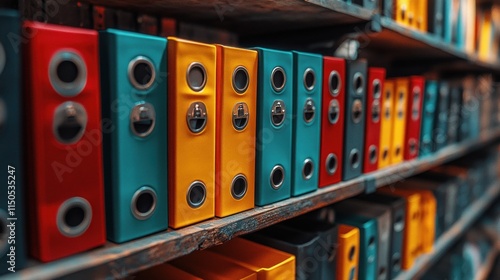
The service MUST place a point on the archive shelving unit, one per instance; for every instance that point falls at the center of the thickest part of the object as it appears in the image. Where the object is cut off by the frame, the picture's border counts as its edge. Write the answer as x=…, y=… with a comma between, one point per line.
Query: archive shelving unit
x=297, y=23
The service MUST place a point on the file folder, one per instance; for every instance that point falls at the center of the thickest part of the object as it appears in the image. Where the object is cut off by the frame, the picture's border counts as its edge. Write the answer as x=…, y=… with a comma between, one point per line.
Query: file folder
x=326, y=243
x=428, y=113
x=454, y=106
x=308, y=72
x=404, y=13
x=440, y=135
x=485, y=33
x=428, y=216
x=332, y=121
x=399, y=103
x=273, y=172
x=448, y=14
x=304, y=246
x=397, y=206
x=445, y=176
x=387, y=118
x=135, y=151
x=191, y=131
x=11, y=143
x=376, y=77
x=268, y=263
x=384, y=225
x=209, y=265
x=413, y=117
x=165, y=271
x=63, y=98
x=236, y=124
x=484, y=89
x=435, y=17
x=356, y=77
x=348, y=253
x=412, y=234
x=421, y=9
x=368, y=246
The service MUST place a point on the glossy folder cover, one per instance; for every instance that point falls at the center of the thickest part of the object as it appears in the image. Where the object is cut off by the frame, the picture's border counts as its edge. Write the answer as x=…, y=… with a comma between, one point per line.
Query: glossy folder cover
x=397, y=206
x=165, y=271
x=269, y=263
x=308, y=74
x=236, y=122
x=348, y=253
x=135, y=151
x=444, y=215
x=326, y=243
x=428, y=204
x=412, y=234
x=387, y=119
x=376, y=77
x=403, y=12
x=302, y=245
x=191, y=131
x=440, y=134
x=273, y=161
x=11, y=139
x=356, y=75
x=399, y=103
x=368, y=246
x=428, y=112
x=435, y=17
x=332, y=121
x=454, y=106
x=63, y=101
x=413, y=117
x=209, y=265
x=384, y=226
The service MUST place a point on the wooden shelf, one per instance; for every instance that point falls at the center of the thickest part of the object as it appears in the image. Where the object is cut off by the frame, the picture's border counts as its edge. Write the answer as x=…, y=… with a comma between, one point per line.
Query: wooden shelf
x=249, y=17
x=488, y=264
x=121, y=260
x=301, y=24
x=443, y=244
x=407, y=46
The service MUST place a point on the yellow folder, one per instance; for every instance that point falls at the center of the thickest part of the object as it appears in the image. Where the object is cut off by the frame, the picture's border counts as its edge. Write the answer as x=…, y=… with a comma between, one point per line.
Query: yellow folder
x=386, y=124
x=347, y=252
x=267, y=262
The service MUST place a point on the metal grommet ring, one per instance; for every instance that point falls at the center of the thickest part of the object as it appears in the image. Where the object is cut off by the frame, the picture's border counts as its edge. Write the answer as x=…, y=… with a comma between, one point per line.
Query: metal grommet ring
x=331, y=163
x=241, y=116
x=67, y=73
x=196, y=76
x=372, y=154
x=334, y=83
x=377, y=88
x=74, y=217
x=357, y=111
x=375, y=111
x=197, y=117
x=142, y=119
x=354, y=158
x=241, y=79
x=358, y=83
x=277, y=177
x=239, y=186
x=143, y=203
x=334, y=111
x=307, y=169
x=69, y=122
x=309, y=79
x=278, y=79
x=196, y=194
x=141, y=72
x=278, y=111
x=309, y=110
